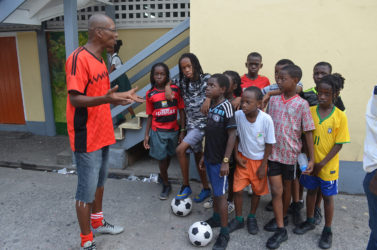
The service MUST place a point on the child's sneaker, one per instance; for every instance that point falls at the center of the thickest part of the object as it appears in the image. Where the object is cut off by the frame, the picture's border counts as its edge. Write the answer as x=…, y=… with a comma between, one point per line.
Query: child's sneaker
x=297, y=218
x=325, y=241
x=204, y=194
x=235, y=224
x=303, y=227
x=213, y=223
x=89, y=245
x=275, y=240
x=183, y=193
x=298, y=205
x=208, y=203
x=317, y=215
x=252, y=225
x=221, y=242
x=107, y=228
x=165, y=191
x=230, y=207
x=271, y=226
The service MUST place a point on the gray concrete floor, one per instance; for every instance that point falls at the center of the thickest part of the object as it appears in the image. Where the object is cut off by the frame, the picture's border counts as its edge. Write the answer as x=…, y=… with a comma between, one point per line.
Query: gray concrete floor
x=37, y=212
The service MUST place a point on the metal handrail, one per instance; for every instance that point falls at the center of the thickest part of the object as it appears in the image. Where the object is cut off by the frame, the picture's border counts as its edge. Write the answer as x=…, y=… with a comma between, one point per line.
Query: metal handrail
x=119, y=109
x=149, y=50
x=142, y=55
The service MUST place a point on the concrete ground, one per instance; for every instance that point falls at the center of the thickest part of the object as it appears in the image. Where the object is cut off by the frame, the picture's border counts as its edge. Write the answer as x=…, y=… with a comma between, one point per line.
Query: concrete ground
x=37, y=212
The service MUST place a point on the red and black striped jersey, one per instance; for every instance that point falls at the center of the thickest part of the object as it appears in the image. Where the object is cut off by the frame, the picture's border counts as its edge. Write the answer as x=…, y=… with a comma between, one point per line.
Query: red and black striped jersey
x=164, y=112
x=89, y=128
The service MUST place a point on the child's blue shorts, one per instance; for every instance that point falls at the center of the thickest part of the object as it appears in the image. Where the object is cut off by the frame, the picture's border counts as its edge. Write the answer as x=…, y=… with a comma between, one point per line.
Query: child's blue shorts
x=328, y=188
x=219, y=183
x=162, y=143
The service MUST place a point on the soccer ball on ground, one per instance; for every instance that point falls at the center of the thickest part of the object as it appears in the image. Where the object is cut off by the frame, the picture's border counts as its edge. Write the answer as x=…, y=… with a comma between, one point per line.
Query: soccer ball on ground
x=200, y=233
x=181, y=207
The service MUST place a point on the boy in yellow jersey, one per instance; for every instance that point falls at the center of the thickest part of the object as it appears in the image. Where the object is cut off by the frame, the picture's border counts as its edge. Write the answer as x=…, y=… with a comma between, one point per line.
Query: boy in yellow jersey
x=331, y=132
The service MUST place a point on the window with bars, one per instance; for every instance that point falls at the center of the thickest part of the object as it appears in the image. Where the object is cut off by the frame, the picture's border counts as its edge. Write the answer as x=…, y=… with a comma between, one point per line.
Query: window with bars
x=135, y=14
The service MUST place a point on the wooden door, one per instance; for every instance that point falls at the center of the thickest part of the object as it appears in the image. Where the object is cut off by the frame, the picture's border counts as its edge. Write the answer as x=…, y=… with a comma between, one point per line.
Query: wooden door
x=11, y=105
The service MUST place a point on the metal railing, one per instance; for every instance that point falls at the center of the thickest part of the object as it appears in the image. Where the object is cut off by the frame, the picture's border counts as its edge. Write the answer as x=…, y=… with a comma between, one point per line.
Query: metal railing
x=142, y=55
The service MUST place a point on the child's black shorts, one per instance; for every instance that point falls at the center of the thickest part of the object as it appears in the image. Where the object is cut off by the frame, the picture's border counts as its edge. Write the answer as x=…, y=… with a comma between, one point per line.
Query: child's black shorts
x=288, y=172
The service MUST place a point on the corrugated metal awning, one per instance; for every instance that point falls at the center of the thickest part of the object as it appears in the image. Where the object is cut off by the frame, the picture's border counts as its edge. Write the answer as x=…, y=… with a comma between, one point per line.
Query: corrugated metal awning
x=34, y=12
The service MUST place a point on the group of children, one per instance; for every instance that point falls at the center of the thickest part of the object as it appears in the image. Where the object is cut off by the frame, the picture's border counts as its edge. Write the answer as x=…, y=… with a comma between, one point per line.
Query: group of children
x=245, y=145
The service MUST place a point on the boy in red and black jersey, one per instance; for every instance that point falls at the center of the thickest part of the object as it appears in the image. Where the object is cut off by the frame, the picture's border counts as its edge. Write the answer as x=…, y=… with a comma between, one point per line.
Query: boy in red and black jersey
x=161, y=133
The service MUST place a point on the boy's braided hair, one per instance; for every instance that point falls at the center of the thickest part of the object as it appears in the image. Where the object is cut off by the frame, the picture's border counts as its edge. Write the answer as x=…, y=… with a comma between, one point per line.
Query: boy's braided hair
x=236, y=79
x=196, y=67
x=335, y=81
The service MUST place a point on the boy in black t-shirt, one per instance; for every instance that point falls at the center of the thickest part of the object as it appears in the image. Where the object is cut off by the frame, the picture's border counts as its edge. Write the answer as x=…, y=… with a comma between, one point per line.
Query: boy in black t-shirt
x=220, y=134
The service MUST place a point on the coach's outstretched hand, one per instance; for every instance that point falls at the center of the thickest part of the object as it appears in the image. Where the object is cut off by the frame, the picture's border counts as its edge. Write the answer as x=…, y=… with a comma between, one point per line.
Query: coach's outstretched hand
x=131, y=94
x=114, y=98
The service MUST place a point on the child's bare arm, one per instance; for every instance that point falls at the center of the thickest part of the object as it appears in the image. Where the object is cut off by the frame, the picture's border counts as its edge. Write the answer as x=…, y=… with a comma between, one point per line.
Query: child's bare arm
x=310, y=147
x=236, y=103
x=147, y=128
x=328, y=157
x=266, y=97
x=239, y=161
x=205, y=106
x=228, y=151
x=262, y=168
x=182, y=119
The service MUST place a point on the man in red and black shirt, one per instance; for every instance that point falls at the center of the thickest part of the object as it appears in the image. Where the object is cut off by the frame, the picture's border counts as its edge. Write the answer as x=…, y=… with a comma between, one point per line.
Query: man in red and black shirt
x=89, y=124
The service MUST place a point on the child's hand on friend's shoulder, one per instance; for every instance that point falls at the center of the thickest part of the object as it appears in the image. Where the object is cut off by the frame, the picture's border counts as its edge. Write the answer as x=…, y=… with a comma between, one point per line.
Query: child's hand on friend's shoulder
x=240, y=161
x=236, y=103
x=265, y=100
x=169, y=95
x=205, y=106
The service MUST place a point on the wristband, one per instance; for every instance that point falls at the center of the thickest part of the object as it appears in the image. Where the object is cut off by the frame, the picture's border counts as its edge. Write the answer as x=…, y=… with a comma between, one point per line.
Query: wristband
x=182, y=130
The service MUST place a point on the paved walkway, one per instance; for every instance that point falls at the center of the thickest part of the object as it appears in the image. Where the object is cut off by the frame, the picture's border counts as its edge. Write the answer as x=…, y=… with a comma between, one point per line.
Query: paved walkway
x=38, y=213
x=38, y=206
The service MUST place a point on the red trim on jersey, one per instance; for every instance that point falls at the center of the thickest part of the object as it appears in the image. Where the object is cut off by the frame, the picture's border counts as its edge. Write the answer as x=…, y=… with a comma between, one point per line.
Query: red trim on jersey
x=285, y=101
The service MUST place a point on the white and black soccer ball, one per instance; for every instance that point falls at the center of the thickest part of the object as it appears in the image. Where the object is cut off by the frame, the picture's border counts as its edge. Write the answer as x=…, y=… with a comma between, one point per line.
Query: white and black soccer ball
x=200, y=233
x=181, y=207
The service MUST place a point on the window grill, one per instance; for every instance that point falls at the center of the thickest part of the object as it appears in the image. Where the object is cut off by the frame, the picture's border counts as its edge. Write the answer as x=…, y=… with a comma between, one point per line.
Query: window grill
x=133, y=14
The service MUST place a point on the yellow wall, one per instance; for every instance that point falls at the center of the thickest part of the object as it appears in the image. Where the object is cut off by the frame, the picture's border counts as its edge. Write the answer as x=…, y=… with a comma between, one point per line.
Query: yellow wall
x=30, y=76
x=135, y=40
x=344, y=33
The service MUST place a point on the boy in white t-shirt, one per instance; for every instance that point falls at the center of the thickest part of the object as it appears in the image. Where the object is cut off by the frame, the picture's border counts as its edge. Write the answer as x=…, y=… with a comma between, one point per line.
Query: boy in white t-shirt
x=254, y=144
x=370, y=166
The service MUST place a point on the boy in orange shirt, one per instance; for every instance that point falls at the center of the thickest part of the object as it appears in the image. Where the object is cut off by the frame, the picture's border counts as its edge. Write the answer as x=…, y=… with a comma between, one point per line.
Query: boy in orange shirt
x=253, y=65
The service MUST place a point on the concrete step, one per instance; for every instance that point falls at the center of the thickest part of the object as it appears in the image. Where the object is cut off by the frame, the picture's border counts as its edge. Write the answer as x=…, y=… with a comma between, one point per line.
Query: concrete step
x=142, y=114
x=64, y=157
x=132, y=124
x=119, y=133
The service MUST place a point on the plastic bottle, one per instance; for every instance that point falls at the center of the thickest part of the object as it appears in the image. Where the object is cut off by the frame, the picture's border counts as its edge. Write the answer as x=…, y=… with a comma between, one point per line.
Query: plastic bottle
x=302, y=161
